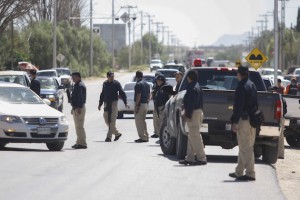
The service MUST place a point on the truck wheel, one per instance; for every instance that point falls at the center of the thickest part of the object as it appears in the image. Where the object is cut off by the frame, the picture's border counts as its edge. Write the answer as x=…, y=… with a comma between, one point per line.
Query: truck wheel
x=167, y=143
x=181, y=144
x=293, y=141
x=270, y=154
x=120, y=115
x=55, y=146
x=2, y=145
x=257, y=151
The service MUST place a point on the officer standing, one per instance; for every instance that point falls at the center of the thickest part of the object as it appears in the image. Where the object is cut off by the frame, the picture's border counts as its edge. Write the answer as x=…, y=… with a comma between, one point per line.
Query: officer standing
x=193, y=105
x=160, y=100
x=178, y=77
x=78, y=99
x=35, y=85
x=109, y=96
x=293, y=87
x=141, y=99
x=245, y=102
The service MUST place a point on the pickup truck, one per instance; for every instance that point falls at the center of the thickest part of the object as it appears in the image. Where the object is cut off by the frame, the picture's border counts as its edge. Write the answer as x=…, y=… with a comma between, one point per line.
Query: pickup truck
x=219, y=84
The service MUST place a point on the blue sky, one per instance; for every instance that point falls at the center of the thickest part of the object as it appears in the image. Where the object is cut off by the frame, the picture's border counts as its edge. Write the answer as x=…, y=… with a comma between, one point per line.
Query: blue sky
x=201, y=22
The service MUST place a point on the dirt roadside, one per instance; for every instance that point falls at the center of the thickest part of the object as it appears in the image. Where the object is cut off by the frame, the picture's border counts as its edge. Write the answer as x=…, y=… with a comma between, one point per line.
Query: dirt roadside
x=288, y=173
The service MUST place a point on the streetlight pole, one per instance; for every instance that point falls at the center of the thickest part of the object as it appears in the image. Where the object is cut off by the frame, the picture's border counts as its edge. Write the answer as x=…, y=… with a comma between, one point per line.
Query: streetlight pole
x=276, y=40
x=54, y=35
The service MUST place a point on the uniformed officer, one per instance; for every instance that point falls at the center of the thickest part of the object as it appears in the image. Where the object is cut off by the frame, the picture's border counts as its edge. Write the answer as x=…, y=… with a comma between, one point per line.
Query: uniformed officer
x=35, y=85
x=178, y=77
x=109, y=96
x=244, y=103
x=193, y=114
x=141, y=99
x=159, y=100
x=78, y=99
x=293, y=87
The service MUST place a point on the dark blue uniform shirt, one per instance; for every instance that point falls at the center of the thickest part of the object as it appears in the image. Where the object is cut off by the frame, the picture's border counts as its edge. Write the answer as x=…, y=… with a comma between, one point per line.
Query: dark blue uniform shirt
x=143, y=88
x=193, y=98
x=78, y=97
x=35, y=86
x=161, y=97
x=245, y=100
x=111, y=91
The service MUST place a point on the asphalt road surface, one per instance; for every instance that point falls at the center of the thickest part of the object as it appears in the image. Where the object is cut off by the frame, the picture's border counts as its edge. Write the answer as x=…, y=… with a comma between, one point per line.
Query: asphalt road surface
x=122, y=169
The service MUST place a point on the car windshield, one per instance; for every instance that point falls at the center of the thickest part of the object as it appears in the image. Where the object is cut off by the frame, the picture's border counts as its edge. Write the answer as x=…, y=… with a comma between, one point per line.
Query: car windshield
x=11, y=95
x=297, y=72
x=47, y=83
x=155, y=61
x=223, y=80
x=178, y=67
x=19, y=79
x=46, y=73
x=61, y=72
x=168, y=74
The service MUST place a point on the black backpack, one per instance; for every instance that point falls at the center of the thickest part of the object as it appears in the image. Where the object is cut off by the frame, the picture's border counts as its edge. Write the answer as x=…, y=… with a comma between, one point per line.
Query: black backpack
x=256, y=117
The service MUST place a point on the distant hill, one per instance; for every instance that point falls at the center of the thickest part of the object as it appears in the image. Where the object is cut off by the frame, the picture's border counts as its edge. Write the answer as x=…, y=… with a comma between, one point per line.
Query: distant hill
x=228, y=40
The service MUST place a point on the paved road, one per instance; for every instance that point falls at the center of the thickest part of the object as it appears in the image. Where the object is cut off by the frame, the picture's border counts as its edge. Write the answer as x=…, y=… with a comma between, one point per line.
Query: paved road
x=123, y=169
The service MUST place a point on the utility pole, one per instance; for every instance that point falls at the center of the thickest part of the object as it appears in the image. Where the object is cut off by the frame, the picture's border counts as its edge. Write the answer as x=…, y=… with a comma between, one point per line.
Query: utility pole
x=276, y=41
x=12, y=44
x=281, y=39
x=149, y=42
x=54, y=35
x=142, y=26
x=91, y=38
x=157, y=31
x=269, y=14
x=113, y=34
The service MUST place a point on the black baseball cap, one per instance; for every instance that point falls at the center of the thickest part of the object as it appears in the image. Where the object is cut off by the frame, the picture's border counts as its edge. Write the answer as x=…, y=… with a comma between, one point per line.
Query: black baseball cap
x=243, y=70
x=161, y=77
x=110, y=73
x=76, y=74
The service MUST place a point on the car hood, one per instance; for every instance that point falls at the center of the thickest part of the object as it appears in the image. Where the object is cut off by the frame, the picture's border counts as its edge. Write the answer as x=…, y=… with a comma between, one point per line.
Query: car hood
x=29, y=110
x=48, y=91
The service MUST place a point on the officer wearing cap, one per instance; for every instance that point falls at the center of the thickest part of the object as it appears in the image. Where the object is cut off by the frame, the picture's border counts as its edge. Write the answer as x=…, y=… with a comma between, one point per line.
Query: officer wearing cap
x=159, y=100
x=245, y=102
x=192, y=112
x=78, y=100
x=111, y=91
x=141, y=100
x=35, y=85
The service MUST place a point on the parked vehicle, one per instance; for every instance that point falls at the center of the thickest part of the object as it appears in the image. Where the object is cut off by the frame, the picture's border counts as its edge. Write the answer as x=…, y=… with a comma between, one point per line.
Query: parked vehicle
x=169, y=74
x=291, y=70
x=64, y=74
x=129, y=91
x=51, y=90
x=219, y=85
x=179, y=67
x=156, y=64
x=49, y=73
x=19, y=77
x=289, y=77
x=26, y=118
x=147, y=78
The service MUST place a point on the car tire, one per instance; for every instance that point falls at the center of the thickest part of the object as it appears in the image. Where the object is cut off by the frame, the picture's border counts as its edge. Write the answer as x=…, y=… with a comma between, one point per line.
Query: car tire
x=181, y=144
x=270, y=153
x=55, y=146
x=167, y=143
x=257, y=151
x=120, y=115
x=293, y=141
x=2, y=145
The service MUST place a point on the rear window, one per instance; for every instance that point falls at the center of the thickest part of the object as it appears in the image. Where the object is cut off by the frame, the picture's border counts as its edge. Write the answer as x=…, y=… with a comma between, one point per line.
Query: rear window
x=51, y=74
x=19, y=79
x=168, y=74
x=223, y=80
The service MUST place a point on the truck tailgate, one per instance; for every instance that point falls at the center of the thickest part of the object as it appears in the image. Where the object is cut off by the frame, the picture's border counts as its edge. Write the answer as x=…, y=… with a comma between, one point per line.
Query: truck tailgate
x=218, y=105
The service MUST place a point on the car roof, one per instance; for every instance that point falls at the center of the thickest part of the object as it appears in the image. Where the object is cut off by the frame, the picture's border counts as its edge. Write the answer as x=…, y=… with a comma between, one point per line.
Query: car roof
x=12, y=73
x=6, y=84
x=175, y=70
x=45, y=77
x=174, y=64
x=47, y=70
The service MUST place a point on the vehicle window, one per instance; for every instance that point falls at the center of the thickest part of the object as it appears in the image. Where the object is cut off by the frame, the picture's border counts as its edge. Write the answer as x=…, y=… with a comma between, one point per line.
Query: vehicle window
x=61, y=72
x=155, y=62
x=128, y=87
x=47, y=84
x=297, y=72
x=168, y=74
x=19, y=79
x=12, y=95
x=267, y=83
x=223, y=80
x=51, y=74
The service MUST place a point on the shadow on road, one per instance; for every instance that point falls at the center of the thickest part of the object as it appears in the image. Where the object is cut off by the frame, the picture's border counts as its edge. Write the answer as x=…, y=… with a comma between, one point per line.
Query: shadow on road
x=133, y=118
x=289, y=147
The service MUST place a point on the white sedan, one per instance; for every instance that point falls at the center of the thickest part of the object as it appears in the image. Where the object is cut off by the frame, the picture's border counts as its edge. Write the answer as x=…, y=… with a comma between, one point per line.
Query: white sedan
x=26, y=118
x=129, y=90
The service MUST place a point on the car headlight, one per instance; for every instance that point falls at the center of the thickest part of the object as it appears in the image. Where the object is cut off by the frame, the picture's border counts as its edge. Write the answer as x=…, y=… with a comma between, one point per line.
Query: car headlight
x=10, y=119
x=63, y=120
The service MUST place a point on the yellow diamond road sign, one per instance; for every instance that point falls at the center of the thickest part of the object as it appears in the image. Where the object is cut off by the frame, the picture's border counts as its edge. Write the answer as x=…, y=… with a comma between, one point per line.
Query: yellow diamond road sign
x=256, y=58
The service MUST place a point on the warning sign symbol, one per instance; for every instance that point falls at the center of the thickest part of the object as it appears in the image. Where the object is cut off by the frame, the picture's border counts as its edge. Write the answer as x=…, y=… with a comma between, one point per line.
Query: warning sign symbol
x=256, y=58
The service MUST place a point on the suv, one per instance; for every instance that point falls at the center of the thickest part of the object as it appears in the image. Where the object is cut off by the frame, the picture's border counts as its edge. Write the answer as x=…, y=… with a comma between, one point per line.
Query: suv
x=156, y=64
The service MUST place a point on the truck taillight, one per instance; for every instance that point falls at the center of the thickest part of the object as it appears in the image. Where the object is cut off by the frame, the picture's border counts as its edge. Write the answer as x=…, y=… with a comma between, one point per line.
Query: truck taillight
x=278, y=108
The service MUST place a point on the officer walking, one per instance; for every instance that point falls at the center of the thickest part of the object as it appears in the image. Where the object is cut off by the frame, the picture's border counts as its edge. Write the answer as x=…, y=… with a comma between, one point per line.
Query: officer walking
x=35, y=85
x=141, y=99
x=109, y=96
x=193, y=105
x=159, y=100
x=244, y=103
x=78, y=99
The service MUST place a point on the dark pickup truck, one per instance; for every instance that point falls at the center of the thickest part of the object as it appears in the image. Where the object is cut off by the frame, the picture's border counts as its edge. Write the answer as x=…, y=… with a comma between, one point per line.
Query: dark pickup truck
x=219, y=88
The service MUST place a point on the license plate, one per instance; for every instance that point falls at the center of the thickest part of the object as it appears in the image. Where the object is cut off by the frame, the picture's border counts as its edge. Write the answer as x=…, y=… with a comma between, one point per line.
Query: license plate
x=43, y=131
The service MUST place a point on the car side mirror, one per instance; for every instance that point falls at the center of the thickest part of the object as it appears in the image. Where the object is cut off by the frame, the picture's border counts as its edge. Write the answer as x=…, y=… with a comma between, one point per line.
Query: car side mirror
x=61, y=87
x=47, y=101
x=168, y=89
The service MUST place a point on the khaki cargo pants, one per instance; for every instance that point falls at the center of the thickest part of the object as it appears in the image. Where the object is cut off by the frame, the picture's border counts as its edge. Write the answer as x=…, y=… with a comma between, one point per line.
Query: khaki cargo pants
x=79, y=126
x=140, y=121
x=246, y=137
x=157, y=119
x=195, y=143
x=112, y=130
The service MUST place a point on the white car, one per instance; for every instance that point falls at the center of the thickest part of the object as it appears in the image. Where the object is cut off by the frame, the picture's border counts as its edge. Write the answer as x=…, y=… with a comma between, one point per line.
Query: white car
x=156, y=64
x=19, y=77
x=26, y=118
x=129, y=90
